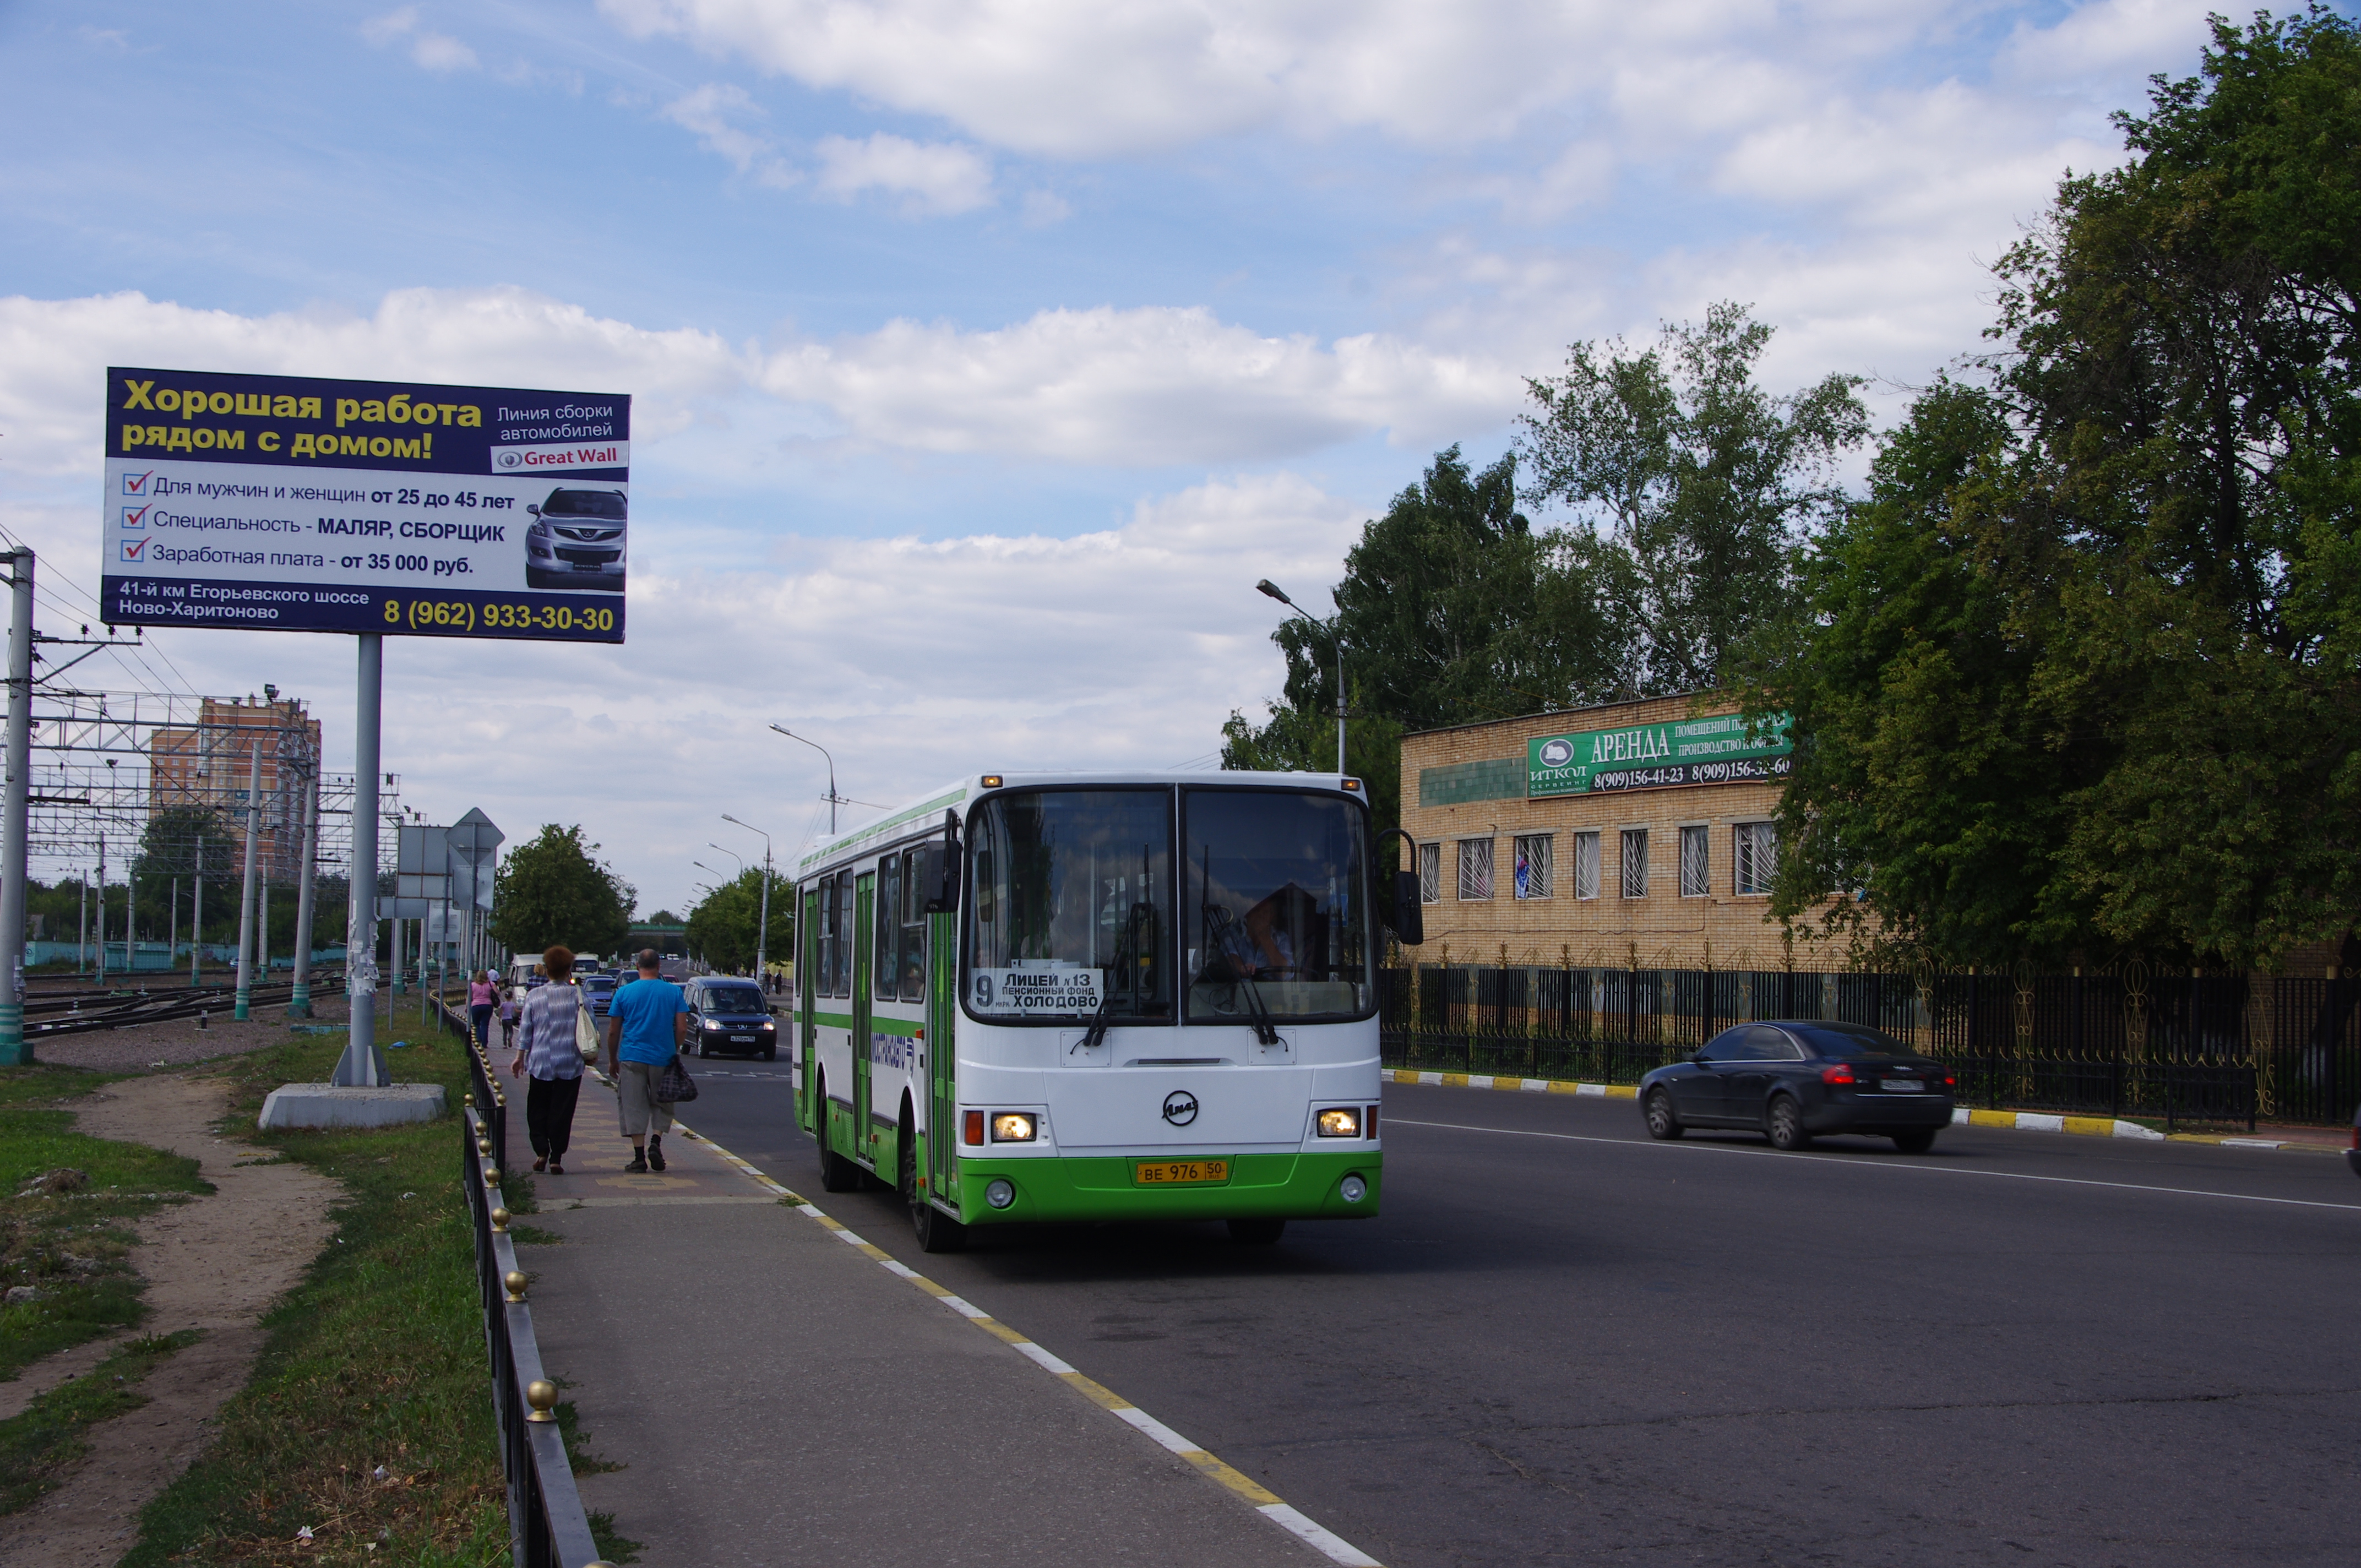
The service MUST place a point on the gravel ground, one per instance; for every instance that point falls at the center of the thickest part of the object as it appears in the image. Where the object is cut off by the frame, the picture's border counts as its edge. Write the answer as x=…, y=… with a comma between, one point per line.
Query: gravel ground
x=181, y=1042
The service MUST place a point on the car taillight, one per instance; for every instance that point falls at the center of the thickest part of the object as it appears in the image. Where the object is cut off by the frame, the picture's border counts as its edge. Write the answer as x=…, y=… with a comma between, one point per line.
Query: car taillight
x=1950, y=1082
x=974, y=1127
x=1836, y=1075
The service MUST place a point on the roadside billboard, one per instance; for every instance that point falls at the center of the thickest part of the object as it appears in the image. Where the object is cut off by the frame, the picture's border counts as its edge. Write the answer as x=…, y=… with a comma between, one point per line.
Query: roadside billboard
x=1722, y=748
x=286, y=503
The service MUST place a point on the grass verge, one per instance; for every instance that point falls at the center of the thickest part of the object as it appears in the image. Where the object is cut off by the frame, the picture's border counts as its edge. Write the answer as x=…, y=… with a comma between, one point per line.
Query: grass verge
x=70, y=1249
x=48, y=1435
x=366, y=1434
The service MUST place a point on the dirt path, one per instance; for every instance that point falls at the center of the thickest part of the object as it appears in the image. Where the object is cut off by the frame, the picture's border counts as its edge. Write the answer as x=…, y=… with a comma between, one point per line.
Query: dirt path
x=213, y=1265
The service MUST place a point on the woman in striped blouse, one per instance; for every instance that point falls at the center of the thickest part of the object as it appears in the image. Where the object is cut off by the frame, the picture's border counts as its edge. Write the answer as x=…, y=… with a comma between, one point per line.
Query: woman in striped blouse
x=545, y=1050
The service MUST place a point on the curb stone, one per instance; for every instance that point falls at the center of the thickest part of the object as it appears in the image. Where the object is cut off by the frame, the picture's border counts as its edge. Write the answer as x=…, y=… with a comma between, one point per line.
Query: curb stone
x=2022, y=1120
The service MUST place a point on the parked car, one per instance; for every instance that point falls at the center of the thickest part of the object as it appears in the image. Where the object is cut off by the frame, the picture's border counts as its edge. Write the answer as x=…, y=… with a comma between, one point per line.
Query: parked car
x=2353, y=1154
x=726, y=1013
x=598, y=989
x=1795, y=1080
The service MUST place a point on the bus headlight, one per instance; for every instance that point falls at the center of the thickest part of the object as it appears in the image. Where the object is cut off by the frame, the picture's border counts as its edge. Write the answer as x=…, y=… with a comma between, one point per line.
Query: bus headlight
x=1000, y=1193
x=1352, y=1190
x=1342, y=1123
x=1013, y=1127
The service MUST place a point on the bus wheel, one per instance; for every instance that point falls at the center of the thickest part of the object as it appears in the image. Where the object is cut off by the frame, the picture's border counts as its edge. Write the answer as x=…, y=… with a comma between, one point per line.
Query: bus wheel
x=937, y=1231
x=1255, y=1232
x=837, y=1174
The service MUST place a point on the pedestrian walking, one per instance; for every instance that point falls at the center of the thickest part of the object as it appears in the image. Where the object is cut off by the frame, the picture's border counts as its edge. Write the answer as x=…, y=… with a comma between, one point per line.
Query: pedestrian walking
x=548, y=1053
x=483, y=1001
x=647, y=1023
x=509, y=1009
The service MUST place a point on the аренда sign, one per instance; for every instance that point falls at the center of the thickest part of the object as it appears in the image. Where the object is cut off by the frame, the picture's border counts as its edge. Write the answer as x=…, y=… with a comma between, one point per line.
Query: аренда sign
x=283, y=503
x=1722, y=748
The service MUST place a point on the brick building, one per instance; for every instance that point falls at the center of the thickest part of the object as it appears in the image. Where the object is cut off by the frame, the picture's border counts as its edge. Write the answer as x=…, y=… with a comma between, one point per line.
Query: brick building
x=1635, y=834
x=207, y=765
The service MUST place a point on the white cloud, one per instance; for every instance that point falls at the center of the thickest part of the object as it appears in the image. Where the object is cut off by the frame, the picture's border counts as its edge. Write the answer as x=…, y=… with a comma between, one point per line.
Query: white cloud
x=1148, y=385
x=931, y=177
x=1043, y=209
x=709, y=112
x=432, y=50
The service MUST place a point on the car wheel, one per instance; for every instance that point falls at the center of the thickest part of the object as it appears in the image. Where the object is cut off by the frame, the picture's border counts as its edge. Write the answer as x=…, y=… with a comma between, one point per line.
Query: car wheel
x=1786, y=1125
x=533, y=579
x=937, y=1230
x=1256, y=1232
x=1918, y=1142
x=1662, y=1122
x=771, y=1055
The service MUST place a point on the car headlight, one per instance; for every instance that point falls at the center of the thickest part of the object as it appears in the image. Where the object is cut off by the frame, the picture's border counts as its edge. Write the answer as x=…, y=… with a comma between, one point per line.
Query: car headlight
x=712, y=1024
x=1345, y=1121
x=1000, y=1192
x=1013, y=1127
x=1352, y=1190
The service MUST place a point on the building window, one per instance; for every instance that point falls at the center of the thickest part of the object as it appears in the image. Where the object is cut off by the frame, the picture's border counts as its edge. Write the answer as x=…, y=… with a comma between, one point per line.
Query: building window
x=1635, y=862
x=1585, y=865
x=1429, y=873
x=1474, y=869
x=1534, y=854
x=1758, y=856
x=1693, y=883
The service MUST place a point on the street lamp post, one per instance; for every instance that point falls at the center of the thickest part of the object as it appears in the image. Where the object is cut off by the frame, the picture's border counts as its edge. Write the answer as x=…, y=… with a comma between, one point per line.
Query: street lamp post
x=833, y=798
x=1273, y=589
x=762, y=931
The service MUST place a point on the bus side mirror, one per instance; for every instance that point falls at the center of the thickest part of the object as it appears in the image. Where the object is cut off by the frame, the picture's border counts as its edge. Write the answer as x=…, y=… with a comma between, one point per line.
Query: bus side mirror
x=945, y=900
x=1409, y=913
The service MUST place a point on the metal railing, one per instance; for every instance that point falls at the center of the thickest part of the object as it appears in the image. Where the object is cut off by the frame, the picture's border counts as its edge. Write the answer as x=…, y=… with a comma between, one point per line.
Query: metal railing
x=2127, y=1042
x=547, y=1528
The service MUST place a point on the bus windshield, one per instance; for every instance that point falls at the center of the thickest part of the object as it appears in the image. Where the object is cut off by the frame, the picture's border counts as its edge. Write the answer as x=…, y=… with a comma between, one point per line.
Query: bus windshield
x=1277, y=914
x=1072, y=902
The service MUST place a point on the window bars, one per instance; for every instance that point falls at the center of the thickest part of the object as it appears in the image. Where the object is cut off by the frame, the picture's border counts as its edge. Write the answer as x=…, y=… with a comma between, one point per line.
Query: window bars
x=1757, y=856
x=1533, y=868
x=1635, y=862
x=1693, y=883
x=1585, y=865
x=1429, y=873
x=1474, y=869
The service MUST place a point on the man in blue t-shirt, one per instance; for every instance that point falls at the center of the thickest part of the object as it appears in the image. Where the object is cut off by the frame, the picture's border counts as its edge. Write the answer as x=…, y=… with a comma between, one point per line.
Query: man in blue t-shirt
x=647, y=1023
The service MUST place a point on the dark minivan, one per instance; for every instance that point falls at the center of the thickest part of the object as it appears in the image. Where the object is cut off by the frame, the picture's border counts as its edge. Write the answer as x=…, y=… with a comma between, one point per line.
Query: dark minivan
x=1794, y=1080
x=727, y=1015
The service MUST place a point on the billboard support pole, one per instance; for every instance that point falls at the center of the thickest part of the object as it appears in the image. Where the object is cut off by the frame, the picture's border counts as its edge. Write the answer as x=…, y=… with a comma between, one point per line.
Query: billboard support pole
x=359, y=1065
x=15, y=1049
x=298, y=1000
x=244, y=1006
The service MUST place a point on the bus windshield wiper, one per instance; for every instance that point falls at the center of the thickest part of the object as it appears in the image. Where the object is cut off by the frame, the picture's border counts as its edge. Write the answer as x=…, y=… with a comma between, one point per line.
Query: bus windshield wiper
x=1126, y=950
x=1220, y=927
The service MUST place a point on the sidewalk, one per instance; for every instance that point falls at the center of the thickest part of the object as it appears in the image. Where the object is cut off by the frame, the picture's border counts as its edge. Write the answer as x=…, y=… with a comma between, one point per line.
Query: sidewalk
x=774, y=1396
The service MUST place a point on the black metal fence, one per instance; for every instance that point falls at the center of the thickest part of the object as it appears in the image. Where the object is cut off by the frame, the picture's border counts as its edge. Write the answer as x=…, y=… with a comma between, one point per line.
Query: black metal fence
x=2122, y=1043
x=547, y=1528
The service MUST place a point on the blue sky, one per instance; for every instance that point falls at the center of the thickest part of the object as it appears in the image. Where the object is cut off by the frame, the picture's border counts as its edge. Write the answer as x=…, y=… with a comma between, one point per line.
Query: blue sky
x=985, y=353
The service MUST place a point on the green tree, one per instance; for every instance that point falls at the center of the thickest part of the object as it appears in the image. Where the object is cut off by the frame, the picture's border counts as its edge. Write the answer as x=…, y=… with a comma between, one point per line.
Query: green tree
x=1452, y=609
x=2092, y=640
x=721, y=928
x=1708, y=481
x=553, y=890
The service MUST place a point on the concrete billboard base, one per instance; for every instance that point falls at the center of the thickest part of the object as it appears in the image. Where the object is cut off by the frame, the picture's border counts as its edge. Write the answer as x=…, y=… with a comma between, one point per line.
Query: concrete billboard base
x=331, y=1105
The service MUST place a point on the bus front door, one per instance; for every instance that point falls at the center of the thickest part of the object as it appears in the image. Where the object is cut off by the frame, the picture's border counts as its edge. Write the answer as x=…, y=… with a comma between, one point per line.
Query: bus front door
x=807, y=1040
x=942, y=1051
x=864, y=954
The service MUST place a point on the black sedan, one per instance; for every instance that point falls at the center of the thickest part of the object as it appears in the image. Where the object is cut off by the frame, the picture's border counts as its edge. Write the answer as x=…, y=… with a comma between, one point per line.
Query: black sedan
x=730, y=1015
x=1792, y=1080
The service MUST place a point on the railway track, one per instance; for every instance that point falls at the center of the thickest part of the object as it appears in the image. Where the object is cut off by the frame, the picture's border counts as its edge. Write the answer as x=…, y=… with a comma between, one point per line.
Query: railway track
x=49, y=1017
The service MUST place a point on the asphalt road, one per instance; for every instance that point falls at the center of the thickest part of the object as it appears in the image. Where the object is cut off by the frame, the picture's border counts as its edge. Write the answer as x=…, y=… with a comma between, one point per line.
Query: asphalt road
x=1564, y=1343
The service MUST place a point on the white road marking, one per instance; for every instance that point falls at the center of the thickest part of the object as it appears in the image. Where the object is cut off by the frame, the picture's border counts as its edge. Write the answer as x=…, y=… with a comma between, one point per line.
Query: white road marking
x=1862, y=1165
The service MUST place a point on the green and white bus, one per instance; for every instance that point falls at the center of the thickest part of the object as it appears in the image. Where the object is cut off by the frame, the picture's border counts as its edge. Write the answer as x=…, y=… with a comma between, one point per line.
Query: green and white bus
x=1066, y=996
